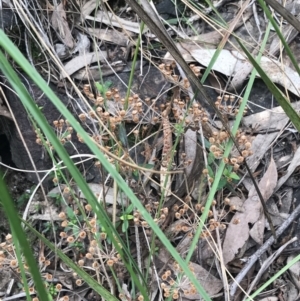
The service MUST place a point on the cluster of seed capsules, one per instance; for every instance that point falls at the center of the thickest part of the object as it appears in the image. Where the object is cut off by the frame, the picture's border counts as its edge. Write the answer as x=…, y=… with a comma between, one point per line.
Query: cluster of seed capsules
x=218, y=142
x=112, y=109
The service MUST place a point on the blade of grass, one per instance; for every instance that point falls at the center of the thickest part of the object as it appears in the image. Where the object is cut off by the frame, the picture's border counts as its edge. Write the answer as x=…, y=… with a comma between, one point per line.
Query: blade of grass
x=284, y=13
x=223, y=42
x=18, y=231
x=272, y=279
x=85, y=276
x=228, y=148
x=278, y=31
x=283, y=102
x=20, y=60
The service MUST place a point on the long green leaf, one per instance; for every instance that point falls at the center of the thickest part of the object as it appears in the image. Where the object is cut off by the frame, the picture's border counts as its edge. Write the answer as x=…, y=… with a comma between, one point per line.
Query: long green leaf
x=272, y=279
x=15, y=224
x=280, y=35
x=81, y=273
x=283, y=102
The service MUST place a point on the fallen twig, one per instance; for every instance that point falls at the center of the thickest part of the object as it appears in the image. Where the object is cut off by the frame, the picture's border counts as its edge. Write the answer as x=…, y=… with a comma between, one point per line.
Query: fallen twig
x=252, y=259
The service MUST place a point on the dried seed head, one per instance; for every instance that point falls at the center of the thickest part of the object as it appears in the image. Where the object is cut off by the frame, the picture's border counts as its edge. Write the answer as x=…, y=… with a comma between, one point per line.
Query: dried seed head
x=236, y=221
x=165, y=210
x=58, y=287
x=245, y=153
x=82, y=117
x=248, y=145
x=70, y=239
x=110, y=262
x=62, y=215
x=236, y=167
x=212, y=140
x=226, y=201
x=222, y=226
x=232, y=208
x=233, y=160
x=86, y=88
x=223, y=135
x=213, y=148
x=198, y=207
x=240, y=159
x=103, y=235
x=64, y=224
x=177, y=215
x=82, y=234
x=63, y=234
x=38, y=141
x=205, y=171
x=13, y=263
x=108, y=94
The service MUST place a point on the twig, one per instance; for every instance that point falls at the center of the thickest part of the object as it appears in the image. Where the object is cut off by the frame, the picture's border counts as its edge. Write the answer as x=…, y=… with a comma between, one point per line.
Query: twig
x=261, y=250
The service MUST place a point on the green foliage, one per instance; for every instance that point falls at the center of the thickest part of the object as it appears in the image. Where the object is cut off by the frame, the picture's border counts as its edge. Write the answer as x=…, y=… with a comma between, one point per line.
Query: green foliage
x=103, y=88
x=126, y=217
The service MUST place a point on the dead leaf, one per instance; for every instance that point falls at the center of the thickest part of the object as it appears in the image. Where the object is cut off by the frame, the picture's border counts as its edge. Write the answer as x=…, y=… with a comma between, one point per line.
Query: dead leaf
x=293, y=165
x=83, y=44
x=109, y=35
x=89, y=6
x=97, y=189
x=237, y=232
x=294, y=270
x=112, y=20
x=59, y=23
x=211, y=284
x=62, y=51
x=257, y=231
x=268, y=120
x=231, y=62
x=216, y=83
x=185, y=182
x=81, y=61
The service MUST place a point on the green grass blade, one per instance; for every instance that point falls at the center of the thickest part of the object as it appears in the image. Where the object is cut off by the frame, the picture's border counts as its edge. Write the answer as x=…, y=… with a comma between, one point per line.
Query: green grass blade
x=81, y=273
x=283, y=102
x=227, y=151
x=272, y=279
x=15, y=225
x=278, y=31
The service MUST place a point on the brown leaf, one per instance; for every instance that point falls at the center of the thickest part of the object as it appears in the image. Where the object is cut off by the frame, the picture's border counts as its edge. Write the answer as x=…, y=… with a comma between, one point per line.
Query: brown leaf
x=211, y=284
x=238, y=230
x=194, y=154
x=59, y=23
x=81, y=61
